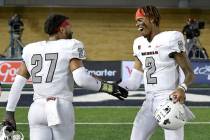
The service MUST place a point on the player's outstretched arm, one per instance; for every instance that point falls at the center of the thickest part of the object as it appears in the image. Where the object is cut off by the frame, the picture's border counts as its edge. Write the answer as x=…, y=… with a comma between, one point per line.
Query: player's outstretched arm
x=136, y=77
x=14, y=96
x=85, y=80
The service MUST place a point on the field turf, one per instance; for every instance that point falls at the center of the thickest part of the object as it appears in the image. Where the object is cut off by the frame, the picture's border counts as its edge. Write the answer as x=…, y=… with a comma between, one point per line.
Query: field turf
x=115, y=123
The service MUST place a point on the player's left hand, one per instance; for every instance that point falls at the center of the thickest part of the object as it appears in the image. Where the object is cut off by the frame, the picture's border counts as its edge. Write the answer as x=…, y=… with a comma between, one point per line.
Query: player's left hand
x=9, y=120
x=114, y=90
x=178, y=96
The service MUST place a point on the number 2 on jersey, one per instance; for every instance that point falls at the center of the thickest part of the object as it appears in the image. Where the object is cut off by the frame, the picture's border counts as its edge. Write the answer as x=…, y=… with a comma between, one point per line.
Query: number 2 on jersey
x=37, y=60
x=150, y=65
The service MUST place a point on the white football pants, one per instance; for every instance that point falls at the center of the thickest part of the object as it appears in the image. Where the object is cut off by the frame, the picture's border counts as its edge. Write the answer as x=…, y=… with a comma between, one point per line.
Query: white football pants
x=39, y=129
x=145, y=124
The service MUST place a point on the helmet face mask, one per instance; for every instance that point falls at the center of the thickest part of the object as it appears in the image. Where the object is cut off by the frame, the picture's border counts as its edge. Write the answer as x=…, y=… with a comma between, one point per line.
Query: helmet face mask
x=7, y=134
x=170, y=115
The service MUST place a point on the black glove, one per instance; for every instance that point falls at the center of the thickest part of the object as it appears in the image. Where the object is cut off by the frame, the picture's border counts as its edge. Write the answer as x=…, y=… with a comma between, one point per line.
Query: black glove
x=10, y=120
x=114, y=90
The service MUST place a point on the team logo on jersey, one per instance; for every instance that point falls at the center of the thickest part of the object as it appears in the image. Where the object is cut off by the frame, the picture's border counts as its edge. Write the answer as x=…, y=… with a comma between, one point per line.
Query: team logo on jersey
x=81, y=52
x=180, y=45
x=139, y=47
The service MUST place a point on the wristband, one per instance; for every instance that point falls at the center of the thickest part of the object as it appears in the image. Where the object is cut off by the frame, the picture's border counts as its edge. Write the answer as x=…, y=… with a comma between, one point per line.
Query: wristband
x=183, y=86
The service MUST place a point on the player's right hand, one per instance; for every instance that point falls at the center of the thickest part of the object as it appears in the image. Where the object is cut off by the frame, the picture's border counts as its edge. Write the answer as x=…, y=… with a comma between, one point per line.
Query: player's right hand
x=9, y=120
x=178, y=96
x=114, y=90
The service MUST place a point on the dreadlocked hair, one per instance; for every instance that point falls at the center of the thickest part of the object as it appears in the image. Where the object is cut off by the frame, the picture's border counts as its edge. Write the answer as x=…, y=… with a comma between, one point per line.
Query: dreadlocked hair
x=52, y=23
x=152, y=12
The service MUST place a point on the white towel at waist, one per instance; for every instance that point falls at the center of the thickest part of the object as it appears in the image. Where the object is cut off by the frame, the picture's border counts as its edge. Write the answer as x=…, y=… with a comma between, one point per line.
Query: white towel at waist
x=53, y=116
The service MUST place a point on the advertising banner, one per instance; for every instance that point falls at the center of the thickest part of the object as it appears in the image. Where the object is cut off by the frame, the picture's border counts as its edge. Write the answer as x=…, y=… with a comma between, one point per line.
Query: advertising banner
x=111, y=71
x=202, y=71
x=107, y=70
x=8, y=70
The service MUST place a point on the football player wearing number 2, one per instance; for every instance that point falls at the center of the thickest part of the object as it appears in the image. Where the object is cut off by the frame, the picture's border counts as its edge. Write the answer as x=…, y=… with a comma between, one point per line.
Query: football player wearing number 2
x=54, y=65
x=158, y=56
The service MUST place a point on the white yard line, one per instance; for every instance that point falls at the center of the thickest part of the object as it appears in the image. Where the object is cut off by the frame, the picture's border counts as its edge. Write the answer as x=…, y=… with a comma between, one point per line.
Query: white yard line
x=117, y=123
x=198, y=122
x=104, y=107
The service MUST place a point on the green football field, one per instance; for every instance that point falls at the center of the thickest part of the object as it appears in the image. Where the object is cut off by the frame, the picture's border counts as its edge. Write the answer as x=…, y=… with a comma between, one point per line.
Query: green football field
x=115, y=123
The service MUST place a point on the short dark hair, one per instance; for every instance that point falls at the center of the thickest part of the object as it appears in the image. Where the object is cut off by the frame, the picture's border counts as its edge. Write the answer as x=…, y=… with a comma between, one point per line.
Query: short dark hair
x=52, y=23
x=152, y=12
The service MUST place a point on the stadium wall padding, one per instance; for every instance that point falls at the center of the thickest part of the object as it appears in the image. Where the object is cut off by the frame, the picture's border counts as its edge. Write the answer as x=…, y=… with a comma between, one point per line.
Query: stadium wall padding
x=107, y=33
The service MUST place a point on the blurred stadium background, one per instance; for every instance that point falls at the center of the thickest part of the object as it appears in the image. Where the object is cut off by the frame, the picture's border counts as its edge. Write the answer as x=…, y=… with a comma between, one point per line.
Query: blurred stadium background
x=107, y=29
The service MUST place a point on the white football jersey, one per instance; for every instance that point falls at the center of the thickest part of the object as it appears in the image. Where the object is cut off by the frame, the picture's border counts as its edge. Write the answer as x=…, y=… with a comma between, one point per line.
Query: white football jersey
x=48, y=65
x=161, y=72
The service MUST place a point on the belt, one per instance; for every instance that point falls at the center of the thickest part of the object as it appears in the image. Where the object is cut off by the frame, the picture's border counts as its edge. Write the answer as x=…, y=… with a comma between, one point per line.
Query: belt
x=51, y=98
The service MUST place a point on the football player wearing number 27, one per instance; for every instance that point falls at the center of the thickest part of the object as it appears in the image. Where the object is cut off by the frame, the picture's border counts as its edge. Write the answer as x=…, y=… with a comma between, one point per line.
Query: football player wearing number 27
x=158, y=56
x=54, y=65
